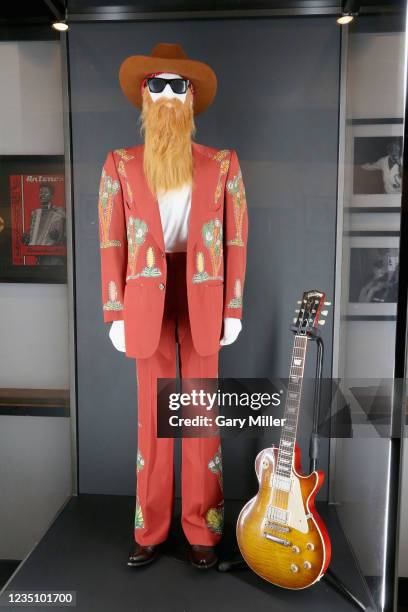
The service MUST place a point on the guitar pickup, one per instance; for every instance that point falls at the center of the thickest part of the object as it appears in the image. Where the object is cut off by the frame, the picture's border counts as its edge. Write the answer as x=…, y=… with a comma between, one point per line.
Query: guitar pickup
x=282, y=483
x=278, y=515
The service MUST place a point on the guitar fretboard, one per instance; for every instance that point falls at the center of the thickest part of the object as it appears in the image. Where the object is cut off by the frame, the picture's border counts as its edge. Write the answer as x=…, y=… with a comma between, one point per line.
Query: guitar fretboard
x=288, y=436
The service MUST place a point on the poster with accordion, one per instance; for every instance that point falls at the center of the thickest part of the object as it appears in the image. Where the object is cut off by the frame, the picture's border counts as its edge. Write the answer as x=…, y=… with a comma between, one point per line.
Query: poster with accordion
x=33, y=241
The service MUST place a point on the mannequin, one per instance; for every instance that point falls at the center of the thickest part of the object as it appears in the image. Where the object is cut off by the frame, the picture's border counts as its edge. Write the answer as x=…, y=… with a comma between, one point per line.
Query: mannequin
x=232, y=326
x=173, y=233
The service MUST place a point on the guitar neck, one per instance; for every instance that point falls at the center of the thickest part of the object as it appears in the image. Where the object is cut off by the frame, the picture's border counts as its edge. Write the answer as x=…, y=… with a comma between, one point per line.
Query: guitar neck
x=292, y=406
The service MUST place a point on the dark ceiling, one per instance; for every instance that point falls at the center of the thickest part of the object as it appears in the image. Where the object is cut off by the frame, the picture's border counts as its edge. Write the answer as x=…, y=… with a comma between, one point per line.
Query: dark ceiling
x=36, y=10
x=17, y=12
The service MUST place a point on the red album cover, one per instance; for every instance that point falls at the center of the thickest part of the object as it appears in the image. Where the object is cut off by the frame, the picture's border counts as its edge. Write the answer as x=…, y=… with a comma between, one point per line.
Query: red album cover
x=38, y=219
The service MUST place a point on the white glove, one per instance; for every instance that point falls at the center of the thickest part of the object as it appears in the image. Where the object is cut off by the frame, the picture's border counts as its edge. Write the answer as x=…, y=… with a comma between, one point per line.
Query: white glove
x=232, y=328
x=117, y=335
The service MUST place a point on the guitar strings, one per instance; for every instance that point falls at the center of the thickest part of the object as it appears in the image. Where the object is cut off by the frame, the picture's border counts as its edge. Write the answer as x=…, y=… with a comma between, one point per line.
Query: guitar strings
x=280, y=499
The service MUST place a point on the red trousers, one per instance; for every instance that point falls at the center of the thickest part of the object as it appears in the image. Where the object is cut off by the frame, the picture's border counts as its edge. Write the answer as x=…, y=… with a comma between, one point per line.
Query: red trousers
x=201, y=478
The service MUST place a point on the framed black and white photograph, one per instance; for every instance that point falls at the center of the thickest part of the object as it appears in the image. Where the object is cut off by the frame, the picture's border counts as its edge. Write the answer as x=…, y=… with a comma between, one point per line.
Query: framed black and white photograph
x=33, y=244
x=373, y=276
x=377, y=166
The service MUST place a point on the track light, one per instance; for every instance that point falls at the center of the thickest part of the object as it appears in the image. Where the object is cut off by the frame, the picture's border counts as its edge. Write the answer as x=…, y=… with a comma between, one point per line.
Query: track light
x=345, y=19
x=350, y=10
x=60, y=26
x=60, y=12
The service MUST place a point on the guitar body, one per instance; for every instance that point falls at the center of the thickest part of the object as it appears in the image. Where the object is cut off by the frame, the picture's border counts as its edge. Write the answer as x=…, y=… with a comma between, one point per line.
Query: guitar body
x=280, y=535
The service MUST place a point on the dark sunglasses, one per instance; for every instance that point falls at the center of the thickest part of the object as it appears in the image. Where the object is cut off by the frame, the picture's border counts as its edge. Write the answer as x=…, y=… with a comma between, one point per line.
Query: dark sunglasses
x=157, y=85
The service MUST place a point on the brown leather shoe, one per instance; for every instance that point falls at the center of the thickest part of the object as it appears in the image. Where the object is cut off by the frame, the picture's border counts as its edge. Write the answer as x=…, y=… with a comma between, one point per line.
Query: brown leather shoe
x=203, y=557
x=142, y=555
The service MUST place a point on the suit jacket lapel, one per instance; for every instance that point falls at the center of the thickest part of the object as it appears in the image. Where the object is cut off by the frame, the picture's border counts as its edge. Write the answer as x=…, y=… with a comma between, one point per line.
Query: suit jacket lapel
x=149, y=205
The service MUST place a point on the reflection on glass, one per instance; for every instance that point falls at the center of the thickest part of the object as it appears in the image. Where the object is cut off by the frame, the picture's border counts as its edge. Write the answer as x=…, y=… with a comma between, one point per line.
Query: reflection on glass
x=370, y=198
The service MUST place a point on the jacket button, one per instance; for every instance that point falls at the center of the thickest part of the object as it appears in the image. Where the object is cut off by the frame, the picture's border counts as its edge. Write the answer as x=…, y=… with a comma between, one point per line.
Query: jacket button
x=161, y=286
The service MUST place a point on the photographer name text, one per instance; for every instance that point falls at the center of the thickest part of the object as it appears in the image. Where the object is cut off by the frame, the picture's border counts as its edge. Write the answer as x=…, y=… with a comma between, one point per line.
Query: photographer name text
x=222, y=421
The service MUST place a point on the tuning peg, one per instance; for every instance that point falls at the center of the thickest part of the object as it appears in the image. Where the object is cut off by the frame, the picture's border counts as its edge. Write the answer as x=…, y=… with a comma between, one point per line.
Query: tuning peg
x=324, y=313
x=299, y=302
x=327, y=303
x=297, y=310
x=295, y=320
x=322, y=322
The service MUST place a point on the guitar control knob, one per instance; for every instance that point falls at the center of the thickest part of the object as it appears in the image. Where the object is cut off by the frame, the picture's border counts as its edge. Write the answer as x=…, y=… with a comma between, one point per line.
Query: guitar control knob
x=296, y=549
x=307, y=565
x=310, y=546
x=294, y=568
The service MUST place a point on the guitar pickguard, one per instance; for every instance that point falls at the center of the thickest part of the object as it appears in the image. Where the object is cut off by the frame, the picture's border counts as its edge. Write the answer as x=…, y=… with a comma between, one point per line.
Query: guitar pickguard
x=297, y=515
x=293, y=515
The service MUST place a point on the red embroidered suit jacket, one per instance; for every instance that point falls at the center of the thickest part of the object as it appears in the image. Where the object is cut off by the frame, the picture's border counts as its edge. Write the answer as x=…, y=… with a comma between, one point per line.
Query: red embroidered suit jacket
x=133, y=261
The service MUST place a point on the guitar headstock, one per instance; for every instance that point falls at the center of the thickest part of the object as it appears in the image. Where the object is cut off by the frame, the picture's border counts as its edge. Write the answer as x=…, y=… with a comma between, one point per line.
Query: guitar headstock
x=310, y=313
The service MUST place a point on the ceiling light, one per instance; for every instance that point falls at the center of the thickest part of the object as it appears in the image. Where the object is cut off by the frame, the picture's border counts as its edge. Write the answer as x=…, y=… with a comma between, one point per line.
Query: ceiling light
x=60, y=26
x=345, y=19
x=350, y=9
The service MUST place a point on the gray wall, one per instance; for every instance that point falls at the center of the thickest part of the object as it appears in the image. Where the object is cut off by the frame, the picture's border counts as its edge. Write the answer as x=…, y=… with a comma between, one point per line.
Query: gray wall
x=277, y=105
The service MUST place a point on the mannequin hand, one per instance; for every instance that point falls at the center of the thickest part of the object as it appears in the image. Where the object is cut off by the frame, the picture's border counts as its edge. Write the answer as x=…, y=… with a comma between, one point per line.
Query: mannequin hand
x=117, y=335
x=232, y=328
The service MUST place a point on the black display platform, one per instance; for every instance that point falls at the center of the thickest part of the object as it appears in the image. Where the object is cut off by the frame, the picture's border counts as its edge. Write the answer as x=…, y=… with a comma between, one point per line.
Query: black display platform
x=86, y=550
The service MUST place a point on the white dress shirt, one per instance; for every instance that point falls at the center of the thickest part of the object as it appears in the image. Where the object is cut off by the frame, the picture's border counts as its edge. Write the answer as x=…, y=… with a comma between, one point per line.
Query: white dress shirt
x=175, y=208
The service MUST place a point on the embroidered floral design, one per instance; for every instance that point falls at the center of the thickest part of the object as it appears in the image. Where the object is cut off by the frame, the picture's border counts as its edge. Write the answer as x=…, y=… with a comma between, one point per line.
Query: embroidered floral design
x=201, y=275
x=215, y=466
x=212, y=238
x=129, y=192
x=215, y=519
x=122, y=172
x=113, y=303
x=140, y=462
x=236, y=301
x=124, y=154
x=223, y=158
x=215, y=516
x=150, y=270
x=107, y=191
x=121, y=169
x=139, y=520
x=235, y=187
x=136, y=235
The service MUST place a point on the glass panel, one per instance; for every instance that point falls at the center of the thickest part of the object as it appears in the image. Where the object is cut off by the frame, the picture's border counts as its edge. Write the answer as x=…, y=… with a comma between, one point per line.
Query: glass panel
x=370, y=174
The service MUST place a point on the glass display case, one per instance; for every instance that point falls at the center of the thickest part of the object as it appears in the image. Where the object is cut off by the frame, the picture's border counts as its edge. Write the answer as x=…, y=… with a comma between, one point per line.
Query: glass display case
x=316, y=112
x=365, y=467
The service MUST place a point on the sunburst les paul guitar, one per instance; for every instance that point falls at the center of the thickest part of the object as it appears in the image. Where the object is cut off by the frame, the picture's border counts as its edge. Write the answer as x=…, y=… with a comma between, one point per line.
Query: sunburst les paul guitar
x=280, y=535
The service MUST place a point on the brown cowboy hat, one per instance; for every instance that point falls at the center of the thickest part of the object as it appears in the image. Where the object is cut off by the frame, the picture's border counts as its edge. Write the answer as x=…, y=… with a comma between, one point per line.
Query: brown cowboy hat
x=168, y=58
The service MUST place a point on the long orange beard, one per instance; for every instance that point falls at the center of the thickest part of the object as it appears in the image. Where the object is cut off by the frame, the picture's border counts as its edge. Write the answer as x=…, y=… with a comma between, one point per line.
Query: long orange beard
x=168, y=127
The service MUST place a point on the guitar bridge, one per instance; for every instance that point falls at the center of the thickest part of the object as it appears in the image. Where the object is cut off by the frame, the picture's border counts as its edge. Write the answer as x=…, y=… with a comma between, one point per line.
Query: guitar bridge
x=269, y=536
x=276, y=527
